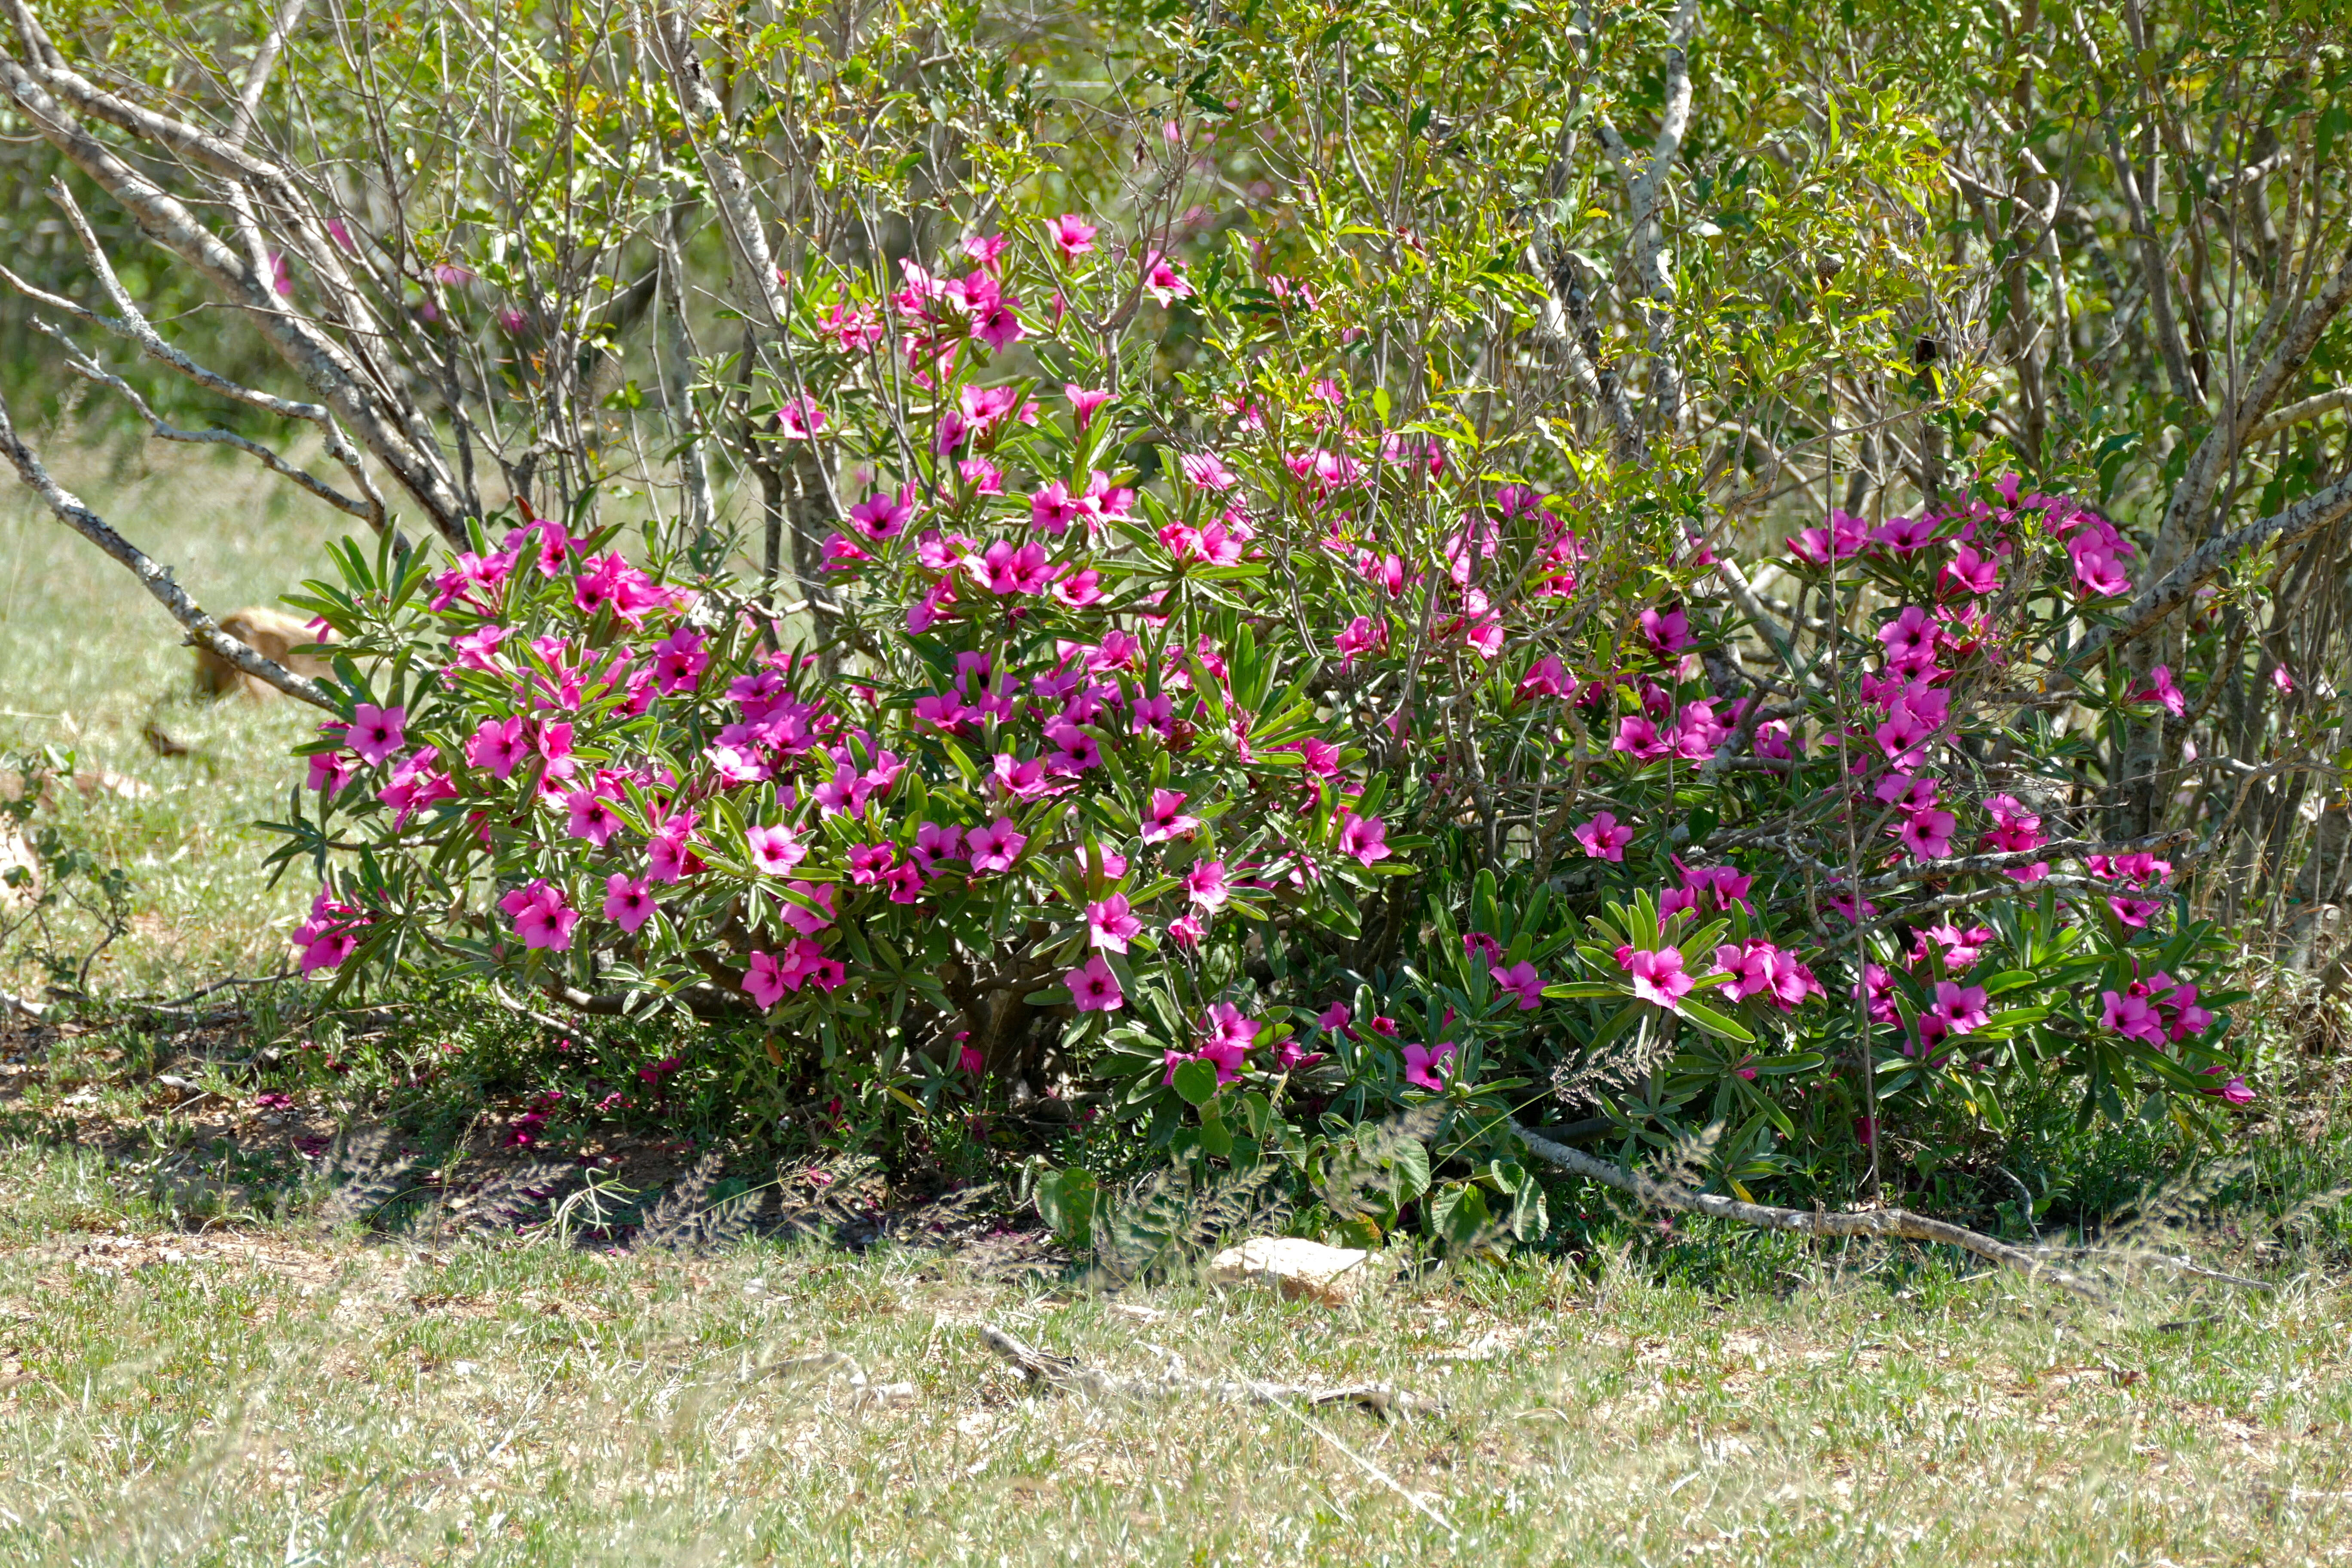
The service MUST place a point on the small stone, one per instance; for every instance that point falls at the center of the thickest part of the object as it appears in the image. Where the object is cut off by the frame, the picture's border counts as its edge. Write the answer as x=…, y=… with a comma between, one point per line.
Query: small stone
x=1331, y=1275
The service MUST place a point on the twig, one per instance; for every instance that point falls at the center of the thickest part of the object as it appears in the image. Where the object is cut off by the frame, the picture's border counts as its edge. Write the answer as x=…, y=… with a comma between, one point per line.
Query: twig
x=1061, y=1372
x=1884, y=1224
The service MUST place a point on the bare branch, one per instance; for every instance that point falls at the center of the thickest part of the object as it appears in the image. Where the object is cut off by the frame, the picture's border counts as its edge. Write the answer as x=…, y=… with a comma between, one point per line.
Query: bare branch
x=203, y=630
x=1886, y=1225
x=81, y=365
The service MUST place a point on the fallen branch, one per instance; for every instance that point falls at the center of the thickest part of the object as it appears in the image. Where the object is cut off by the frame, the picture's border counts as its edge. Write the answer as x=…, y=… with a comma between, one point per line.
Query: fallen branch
x=1886, y=1224
x=1069, y=1376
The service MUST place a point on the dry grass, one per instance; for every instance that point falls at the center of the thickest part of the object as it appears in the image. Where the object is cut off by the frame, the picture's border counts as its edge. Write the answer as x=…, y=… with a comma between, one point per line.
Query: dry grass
x=252, y=1395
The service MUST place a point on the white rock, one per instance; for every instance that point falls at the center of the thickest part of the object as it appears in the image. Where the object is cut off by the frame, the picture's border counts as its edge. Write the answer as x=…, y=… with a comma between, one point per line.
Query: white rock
x=1332, y=1275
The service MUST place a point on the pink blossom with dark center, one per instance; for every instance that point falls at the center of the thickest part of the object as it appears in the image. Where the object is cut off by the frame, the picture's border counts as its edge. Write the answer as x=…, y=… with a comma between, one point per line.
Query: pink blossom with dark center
x=1927, y=835
x=1961, y=1009
x=1364, y=837
x=541, y=914
x=1638, y=738
x=1668, y=632
x=1071, y=235
x=591, y=816
x=1164, y=279
x=774, y=849
x=1110, y=923
x=377, y=732
x=2134, y=1018
x=628, y=902
x=996, y=847
x=1425, y=1066
x=1603, y=837
x=1658, y=976
x=1206, y=886
x=329, y=771
x=1094, y=988
x=1164, y=818
x=1909, y=639
x=800, y=418
x=1520, y=980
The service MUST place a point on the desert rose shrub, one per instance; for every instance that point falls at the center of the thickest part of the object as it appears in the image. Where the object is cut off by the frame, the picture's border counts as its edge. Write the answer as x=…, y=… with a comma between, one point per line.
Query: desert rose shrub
x=1327, y=769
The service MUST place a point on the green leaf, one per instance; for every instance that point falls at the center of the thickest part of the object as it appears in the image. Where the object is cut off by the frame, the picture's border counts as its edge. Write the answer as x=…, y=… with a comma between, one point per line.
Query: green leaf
x=1715, y=1023
x=1196, y=1082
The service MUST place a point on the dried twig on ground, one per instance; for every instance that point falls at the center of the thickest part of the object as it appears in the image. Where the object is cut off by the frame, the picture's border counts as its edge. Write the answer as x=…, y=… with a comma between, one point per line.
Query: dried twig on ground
x=1885, y=1224
x=1062, y=1372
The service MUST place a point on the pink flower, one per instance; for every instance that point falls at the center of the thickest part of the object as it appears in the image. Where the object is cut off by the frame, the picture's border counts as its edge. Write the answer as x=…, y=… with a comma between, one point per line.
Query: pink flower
x=1638, y=738
x=416, y=783
x=1084, y=401
x=542, y=916
x=1359, y=635
x=1165, y=819
x=1603, y=837
x=1164, y=279
x=1961, y=1009
x=668, y=858
x=1071, y=235
x=775, y=850
x=1186, y=930
x=883, y=515
x=1909, y=639
x=1723, y=885
x=800, y=418
x=1760, y=969
x=1668, y=633
x=1658, y=977
x=2162, y=692
x=1877, y=991
x=330, y=771
x=1094, y=988
x=377, y=732
x=1110, y=923
x=1206, y=886
x=1928, y=835
x=1520, y=980
x=1423, y=1064
x=800, y=917
x=1971, y=572
x=679, y=660
x=591, y=816
x=1365, y=837
x=628, y=903
x=2234, y=1092
x=2131, y=1017
x=476, y=649
x=1005, y=568
x=1545, y=678
x=763, y=979
x=996, y=847
x=1207, y=471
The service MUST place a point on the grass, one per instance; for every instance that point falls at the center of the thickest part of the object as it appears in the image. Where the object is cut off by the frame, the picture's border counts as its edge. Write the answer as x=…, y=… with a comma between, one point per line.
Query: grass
x=89, y=661
x=257, y=1392
x=196, y=1367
